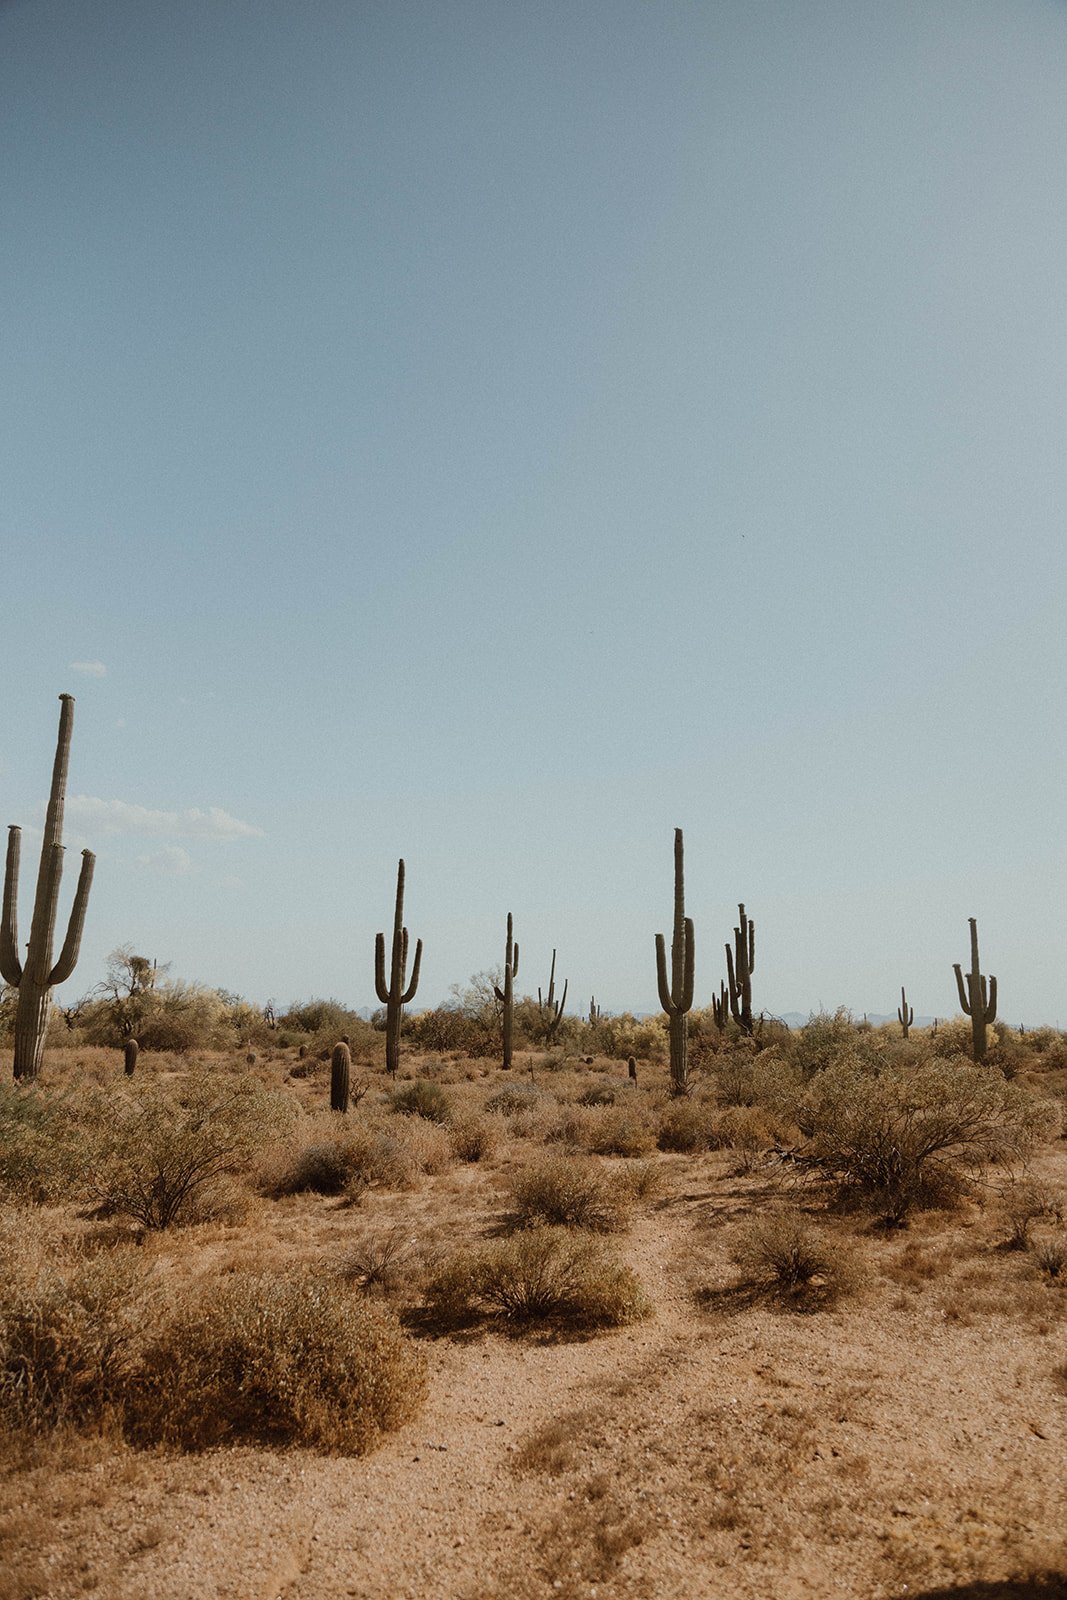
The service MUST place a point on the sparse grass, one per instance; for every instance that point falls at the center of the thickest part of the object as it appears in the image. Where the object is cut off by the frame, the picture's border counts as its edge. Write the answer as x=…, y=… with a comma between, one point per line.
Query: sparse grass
x=572, y=1193
x=275, y=1361
x=542, y=1275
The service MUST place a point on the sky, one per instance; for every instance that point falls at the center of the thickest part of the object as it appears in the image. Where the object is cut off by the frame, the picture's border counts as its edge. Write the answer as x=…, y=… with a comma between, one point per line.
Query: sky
x=496, y=435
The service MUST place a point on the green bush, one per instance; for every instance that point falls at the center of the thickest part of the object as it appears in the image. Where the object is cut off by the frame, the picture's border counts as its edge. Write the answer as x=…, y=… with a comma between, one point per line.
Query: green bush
x=297, y=1360
x=904, y=1136
x=423, y=1098
x=546, y=1274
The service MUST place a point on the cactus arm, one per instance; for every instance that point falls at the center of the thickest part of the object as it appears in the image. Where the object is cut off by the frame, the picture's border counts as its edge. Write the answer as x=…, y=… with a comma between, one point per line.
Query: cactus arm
x=68, y=956
x=665, y=999
x=409, y=992
x=515, y=963
x=964, y=1001
x=10, y=965
x=751, y=948
x=563, y=999
x=690, y=963
x=991, y=1008
x=380, y=986
x=735, y=993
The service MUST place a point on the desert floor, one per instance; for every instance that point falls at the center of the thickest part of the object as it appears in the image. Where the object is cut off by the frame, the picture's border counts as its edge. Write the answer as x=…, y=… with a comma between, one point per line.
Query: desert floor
x=911, y=1438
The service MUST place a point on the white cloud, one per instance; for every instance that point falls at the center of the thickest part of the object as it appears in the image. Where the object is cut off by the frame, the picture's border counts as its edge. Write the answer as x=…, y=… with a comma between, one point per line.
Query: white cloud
x=172, y=861
x=90, y=669
x=124, y=816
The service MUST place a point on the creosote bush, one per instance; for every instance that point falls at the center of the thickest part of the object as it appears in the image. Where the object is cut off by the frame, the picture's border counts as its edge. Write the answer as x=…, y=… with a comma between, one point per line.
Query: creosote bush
x=167, y=1147
x=423, y=1098
x=905, y=1136
x=688, y=1126
x=569, y=1192
x=297, y=1360
x=543, y=1275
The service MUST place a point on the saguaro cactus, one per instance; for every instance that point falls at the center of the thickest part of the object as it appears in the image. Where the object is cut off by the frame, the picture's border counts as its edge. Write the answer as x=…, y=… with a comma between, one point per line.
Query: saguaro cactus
x=506, y=996
x=130, y=1051
x=340, y=1069
x=978, y=1001
x=594, y=1011
x=676, y=997
x=393, y=995
x=905, y=1013
x=740, y=965
x=551, y=1009
x=36, y=978
x=720, y=1008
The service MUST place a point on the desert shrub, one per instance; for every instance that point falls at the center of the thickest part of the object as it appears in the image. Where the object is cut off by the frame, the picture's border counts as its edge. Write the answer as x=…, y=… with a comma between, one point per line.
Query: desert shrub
x=296, y=1360
x=365, y=1155
x=1023, y=1204
x=382, y=1260
x=688, y=1125
x=166, y=1147
x=751, y=1131
x=473, y=1138
x=1050, y=1257
x=626, y=1035
x=545, y=1274
x=954, y=1037
x=895, y=1139
x=38, y=1142
x=513, y=1098
x=422, y=1099
x=323, y=1166
x=67, y=1335
x=786, y=1254
x=620, y=1131
x=597, y=1094
x=570, y=1193
x=822, y=1040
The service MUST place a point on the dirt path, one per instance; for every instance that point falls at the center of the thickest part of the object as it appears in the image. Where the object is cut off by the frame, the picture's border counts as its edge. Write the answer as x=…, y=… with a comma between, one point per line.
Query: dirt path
x=866, y=1452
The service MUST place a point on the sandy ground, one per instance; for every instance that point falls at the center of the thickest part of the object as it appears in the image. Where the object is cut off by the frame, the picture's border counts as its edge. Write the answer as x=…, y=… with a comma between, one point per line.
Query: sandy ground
x=914, y=1437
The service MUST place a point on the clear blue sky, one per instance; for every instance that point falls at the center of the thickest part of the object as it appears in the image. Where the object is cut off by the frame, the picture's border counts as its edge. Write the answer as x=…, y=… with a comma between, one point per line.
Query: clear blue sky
x=497, y=434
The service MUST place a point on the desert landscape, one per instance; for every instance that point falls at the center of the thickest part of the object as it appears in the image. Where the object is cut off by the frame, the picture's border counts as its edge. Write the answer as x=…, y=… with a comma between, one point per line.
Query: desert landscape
x=569, y=1335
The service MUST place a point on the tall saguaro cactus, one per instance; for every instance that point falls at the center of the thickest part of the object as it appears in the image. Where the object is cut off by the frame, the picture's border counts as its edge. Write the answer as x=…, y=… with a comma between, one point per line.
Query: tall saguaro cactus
x=35, y=978
x=393, y=995
x=506, y=996
x=740, y=965
x=977, y=1000
x=676, y=997
x=905, y=1013
x=549, y=1008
